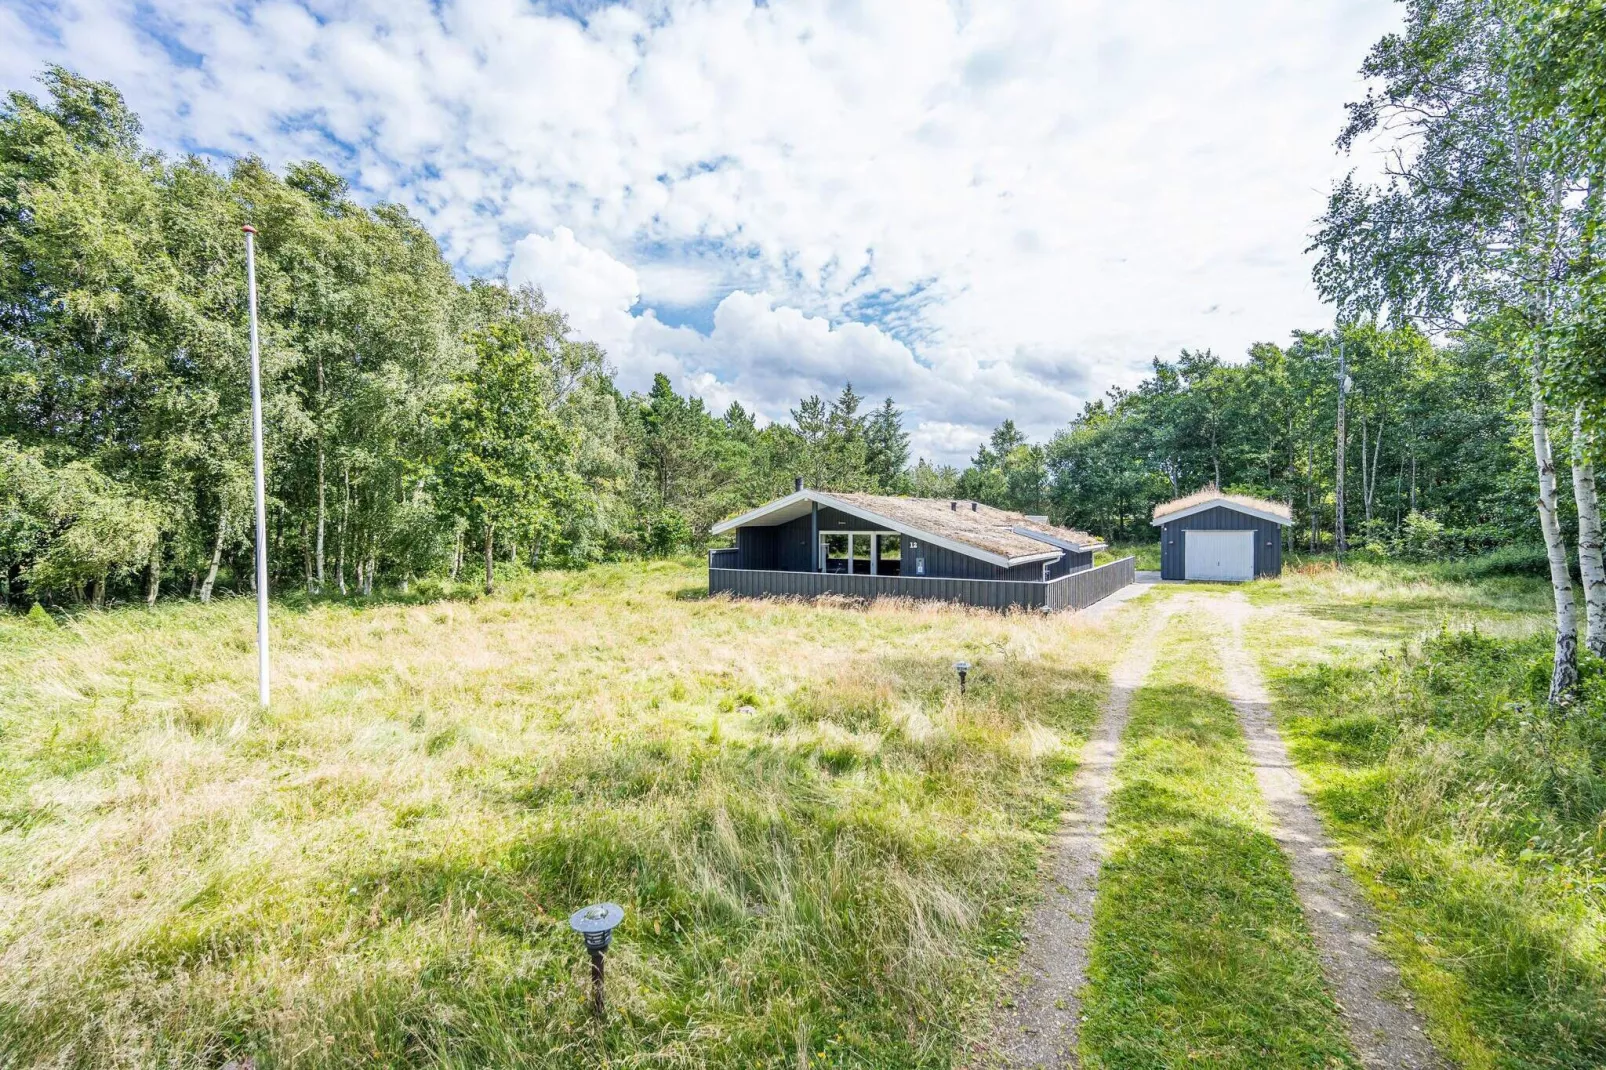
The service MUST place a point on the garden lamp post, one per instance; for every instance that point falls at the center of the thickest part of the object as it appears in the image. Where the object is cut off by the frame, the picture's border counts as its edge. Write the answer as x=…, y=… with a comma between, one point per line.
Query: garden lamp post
x=596, y=923
x=963, y=669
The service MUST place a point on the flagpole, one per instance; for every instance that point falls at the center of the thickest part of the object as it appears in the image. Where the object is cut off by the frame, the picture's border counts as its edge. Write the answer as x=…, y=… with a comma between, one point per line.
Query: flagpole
x=256, y=449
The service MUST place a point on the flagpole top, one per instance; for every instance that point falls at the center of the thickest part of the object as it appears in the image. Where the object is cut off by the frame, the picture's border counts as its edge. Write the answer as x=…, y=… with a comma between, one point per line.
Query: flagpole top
x=248, y=229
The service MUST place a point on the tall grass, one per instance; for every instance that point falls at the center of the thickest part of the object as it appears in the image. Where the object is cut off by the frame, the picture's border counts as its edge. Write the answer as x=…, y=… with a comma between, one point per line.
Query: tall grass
x=1475, y=814
x=819, y=845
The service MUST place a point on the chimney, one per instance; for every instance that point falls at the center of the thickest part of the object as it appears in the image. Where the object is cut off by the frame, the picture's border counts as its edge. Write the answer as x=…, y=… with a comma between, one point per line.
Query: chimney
x=954, y=506
x=973, y=507
x=797, y=484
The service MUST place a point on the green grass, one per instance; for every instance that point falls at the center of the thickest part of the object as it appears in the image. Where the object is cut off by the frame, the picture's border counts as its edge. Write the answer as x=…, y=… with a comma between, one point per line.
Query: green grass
x=1146, y=553
x=823, y=852
x=1200, y=954
x=1413, y=707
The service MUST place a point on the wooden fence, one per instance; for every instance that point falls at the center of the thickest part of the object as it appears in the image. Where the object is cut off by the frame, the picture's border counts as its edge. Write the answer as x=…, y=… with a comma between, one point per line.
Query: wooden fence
x=1078, y=590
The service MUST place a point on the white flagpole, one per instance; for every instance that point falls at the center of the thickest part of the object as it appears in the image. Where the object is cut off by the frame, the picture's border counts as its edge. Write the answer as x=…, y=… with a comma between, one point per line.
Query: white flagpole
x=261, y=494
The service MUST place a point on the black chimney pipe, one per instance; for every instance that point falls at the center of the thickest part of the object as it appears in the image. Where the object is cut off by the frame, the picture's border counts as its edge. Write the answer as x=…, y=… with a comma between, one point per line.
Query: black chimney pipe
x=797, y=483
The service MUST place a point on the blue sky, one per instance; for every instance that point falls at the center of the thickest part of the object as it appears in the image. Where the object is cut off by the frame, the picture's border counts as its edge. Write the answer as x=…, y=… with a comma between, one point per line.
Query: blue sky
x=985, y=210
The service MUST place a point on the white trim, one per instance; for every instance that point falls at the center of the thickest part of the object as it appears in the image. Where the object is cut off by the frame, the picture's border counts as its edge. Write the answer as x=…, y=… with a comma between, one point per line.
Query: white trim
x=1224, y=503
x=1063, y=544
x=875, y=556
x=821, y=498
x=756, y=514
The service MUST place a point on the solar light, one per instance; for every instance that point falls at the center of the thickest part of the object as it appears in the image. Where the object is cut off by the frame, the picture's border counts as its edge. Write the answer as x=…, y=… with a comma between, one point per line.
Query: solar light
x=963, y=669
x=596, y=923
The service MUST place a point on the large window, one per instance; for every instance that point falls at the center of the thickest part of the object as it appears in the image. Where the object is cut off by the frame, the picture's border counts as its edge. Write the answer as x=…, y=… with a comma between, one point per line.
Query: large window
x=862, y=553
x=835, y=553
x=889, y=554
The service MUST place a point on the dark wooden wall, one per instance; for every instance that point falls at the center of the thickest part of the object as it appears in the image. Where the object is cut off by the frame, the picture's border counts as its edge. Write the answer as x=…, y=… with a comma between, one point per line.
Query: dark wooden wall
x=783, y=547
x=1268, y=539
x=1073, y=561
x=1075, y=591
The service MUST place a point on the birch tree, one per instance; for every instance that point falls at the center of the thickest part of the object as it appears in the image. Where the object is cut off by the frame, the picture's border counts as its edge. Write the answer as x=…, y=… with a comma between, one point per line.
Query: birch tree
x=1465, y=231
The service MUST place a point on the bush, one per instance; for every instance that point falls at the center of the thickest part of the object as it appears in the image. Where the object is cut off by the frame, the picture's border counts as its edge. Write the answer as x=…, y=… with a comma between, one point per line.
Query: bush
x=1519, y=560
x=1421, y=538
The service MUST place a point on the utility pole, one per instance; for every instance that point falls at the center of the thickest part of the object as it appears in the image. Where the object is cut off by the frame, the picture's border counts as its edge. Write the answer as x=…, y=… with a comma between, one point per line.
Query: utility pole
x=1340, y=540
x=256, y=450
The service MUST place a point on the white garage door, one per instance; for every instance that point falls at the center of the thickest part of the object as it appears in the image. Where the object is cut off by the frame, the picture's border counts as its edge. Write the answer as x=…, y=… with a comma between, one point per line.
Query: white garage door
x=1218, y=555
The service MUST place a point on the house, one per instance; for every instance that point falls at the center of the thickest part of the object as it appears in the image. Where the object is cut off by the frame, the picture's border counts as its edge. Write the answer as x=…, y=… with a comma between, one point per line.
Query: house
x=1209, y=535
x=814, y=542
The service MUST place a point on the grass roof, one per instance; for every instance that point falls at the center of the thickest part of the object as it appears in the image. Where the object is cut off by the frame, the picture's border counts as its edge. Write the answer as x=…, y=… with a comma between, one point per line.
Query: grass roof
x=1210, y=493
x=983, y=526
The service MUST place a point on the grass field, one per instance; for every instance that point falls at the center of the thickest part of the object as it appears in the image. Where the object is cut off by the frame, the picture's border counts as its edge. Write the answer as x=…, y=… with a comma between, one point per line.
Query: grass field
x=1474, y=817
x=826, y=855
x=1200, y=954
x=822, y=850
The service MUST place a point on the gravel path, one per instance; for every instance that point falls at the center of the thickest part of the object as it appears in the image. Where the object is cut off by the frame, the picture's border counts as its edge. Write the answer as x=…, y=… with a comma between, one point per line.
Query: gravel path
x=1038, y=1028
x=1384, y=1029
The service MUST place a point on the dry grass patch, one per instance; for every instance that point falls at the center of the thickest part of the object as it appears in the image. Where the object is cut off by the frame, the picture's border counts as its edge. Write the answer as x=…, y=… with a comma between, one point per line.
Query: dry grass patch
x=819, y=845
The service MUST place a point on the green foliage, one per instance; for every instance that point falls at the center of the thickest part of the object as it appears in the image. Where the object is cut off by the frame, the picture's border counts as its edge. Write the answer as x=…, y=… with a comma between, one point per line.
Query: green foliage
x=1479, y=808
x=506, y=463
x=406, y=413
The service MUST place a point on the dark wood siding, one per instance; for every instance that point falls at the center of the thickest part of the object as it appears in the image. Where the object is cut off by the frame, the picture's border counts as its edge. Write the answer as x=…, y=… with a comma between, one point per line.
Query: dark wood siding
x=1268, y=539
x=783, y=547
x=1073, y=561
x=940, y=563
x=1075, y=591
x=787, y=548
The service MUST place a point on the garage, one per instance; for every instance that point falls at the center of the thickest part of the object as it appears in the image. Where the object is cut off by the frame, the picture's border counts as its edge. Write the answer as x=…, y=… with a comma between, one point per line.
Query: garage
x=1210, y=536
x=1218, y=555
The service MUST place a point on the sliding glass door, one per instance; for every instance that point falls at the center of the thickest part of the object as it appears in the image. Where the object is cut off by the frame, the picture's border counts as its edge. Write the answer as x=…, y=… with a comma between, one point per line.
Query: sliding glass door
x=860, y=553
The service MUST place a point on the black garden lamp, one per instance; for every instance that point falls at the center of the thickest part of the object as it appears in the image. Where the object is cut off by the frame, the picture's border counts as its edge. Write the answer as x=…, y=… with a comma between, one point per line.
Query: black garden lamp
x=963, y=669
x=596, y=923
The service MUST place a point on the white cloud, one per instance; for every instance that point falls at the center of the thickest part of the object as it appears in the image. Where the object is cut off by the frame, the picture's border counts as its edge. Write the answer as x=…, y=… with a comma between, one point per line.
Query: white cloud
x=1068, y=188
x=593, y=289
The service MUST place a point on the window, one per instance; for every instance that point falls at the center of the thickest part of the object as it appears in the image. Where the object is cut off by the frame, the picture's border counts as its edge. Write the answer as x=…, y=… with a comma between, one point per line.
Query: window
x=862, y=553
x=889, y=555
x=835, y=551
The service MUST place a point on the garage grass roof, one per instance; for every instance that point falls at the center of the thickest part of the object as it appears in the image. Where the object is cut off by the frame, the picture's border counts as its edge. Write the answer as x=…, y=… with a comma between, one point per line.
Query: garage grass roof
x=1210, y=495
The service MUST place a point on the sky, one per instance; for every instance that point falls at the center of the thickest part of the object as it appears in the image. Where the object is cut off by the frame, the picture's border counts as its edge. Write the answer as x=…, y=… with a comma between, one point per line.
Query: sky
x=983, y=210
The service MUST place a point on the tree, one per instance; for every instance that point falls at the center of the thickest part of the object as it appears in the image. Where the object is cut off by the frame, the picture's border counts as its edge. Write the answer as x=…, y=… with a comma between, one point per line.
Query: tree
x=1469, y=227
x=887, y=449
x=505, y=463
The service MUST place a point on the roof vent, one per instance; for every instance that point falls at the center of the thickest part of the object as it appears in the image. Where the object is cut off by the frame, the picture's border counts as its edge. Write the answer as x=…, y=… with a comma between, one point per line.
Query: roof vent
x=973, y=507
x=954, y=506
x=797, y=484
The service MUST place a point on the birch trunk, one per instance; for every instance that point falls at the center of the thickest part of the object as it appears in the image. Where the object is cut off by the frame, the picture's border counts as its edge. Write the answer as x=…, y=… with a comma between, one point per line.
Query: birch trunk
x=490, y=559
x=1366, y=476
x=342, y=535
x=1377, y=451
x=1589, y=538
x=322, y=515
x=217, y=557
x=1564, y=676
x=153, y=578
x=306, y=558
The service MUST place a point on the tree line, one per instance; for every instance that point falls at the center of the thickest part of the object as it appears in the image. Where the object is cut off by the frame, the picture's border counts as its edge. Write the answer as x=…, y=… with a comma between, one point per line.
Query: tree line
x=421, y=425
x=416, y=424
